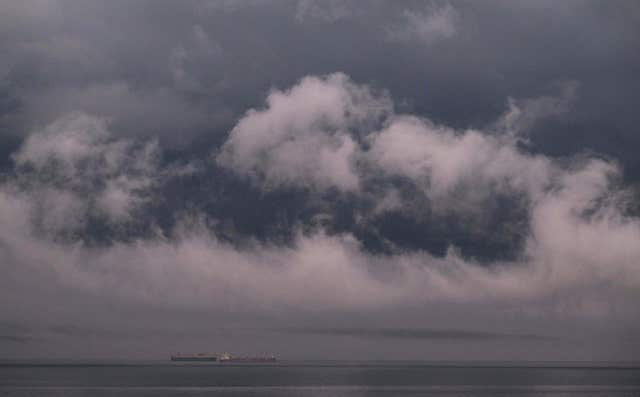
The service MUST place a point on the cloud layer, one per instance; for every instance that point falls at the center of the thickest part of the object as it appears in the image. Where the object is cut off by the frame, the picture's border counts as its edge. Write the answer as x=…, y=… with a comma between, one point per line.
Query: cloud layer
x=439, y=166
x=579, y=251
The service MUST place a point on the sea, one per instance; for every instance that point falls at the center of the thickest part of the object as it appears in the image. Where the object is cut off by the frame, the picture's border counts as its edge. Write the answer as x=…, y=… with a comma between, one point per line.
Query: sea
x=317, y=378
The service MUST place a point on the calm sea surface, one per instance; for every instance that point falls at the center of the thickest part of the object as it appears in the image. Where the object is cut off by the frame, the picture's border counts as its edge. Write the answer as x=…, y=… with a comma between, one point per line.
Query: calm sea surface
x=306, y=378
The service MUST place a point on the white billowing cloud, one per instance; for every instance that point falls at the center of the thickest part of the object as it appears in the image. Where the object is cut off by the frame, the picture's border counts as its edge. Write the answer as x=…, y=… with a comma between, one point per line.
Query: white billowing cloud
x=303, y=136
x=580, y=232
x=571, y=205
x=434, y=23
x=567, y=260
x=303, y=139
x=580, y=255
x=524, y=113
x=67, y=143
x=442, y=161
x=77, y=165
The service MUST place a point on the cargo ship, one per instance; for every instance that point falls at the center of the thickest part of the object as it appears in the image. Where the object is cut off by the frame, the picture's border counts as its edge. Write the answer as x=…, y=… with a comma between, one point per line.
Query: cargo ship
x=227, y=357
x=194, y=357
x=222, y=358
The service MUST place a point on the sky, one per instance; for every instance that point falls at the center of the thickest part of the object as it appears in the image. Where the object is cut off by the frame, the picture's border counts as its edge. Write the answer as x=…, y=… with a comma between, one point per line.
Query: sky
x=432, y=180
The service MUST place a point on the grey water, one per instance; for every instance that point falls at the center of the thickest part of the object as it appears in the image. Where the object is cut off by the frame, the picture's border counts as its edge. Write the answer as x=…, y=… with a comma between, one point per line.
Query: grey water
x=317, y=378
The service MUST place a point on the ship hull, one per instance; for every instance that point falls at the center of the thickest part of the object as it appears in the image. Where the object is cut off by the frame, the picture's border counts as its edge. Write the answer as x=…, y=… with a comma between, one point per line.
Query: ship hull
x=197, y=359
x=249, y=360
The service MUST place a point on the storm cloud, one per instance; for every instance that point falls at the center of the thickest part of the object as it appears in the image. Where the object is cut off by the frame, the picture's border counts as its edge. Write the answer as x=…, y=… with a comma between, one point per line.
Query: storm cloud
x=175, y=167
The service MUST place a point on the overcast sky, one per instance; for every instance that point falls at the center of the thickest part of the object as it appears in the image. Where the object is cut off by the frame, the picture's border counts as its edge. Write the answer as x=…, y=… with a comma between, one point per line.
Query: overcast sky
x=320, y=179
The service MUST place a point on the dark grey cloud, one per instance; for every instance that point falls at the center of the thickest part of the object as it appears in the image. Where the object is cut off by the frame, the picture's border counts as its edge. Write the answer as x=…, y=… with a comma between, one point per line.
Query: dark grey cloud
x=273, y=163
x=210, y=59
